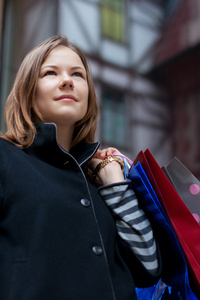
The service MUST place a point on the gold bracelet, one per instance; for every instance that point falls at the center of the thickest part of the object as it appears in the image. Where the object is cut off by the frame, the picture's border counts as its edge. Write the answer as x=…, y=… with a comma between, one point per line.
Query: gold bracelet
x=106, y=161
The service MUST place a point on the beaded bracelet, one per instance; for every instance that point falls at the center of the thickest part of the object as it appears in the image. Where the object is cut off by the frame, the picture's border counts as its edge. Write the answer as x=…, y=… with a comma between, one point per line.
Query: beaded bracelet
x=106, y=161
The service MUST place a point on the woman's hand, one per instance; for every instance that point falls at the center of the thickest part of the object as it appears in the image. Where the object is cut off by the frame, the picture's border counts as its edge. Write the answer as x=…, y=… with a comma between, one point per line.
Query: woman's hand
x=111, y=173
x=101, y=154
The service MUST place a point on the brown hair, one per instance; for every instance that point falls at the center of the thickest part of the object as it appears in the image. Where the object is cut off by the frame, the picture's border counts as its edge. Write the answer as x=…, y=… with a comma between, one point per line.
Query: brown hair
x=20, y=109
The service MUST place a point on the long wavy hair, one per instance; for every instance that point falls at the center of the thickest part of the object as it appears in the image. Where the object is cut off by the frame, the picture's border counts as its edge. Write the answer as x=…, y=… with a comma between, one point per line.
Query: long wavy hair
x=21, y=111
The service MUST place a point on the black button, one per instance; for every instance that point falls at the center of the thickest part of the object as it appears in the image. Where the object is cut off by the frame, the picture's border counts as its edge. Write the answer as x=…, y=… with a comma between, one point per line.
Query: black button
x=85, y=202
x=97, y=250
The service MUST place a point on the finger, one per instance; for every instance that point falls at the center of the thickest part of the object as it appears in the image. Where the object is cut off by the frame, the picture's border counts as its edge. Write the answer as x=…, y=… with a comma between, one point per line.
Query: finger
x=111, y=150
x=102, y=153
x=105, y=152
x=97, y=154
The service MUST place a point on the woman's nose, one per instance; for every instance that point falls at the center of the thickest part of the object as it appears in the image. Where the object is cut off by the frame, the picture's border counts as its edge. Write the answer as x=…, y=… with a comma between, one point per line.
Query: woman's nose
x=66, y=82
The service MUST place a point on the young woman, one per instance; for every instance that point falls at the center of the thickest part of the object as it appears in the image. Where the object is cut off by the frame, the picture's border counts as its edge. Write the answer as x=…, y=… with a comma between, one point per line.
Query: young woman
x=61, y=235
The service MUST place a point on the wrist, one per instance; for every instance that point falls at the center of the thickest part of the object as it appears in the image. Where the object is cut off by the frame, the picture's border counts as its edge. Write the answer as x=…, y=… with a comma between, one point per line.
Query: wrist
x=107, y=161
x=110, y=170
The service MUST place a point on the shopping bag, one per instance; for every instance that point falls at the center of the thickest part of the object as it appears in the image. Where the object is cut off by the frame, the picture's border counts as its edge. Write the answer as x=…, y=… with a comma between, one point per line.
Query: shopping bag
x=184, y=225
x=175, y=276
x=186, y=184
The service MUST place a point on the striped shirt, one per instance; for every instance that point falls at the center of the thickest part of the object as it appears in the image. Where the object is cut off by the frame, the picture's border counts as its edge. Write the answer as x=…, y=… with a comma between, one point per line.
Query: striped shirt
x=131, y=222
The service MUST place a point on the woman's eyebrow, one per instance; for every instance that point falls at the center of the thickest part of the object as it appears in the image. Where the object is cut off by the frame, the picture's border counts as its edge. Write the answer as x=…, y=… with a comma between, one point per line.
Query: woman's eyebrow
x=56, y=67
x=78, y=67
x=49, y=66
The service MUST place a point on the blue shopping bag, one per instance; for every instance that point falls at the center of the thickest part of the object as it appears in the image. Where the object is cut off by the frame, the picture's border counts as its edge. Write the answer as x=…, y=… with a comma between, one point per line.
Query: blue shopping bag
x=174, y=283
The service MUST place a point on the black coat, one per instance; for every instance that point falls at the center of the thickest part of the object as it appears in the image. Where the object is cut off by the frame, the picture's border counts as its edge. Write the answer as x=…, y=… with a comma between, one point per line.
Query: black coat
x=58, y=239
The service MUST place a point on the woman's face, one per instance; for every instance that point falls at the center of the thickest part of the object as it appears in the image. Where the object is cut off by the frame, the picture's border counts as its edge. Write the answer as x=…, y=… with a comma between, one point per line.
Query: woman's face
x=62, y=88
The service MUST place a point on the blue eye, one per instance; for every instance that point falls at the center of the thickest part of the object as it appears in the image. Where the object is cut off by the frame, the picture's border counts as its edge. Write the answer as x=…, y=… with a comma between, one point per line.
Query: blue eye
x=50, y=73
x=77, y=74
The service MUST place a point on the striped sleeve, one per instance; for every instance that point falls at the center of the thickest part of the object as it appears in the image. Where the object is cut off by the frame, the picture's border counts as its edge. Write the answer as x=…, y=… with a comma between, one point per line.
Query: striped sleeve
x=132, y=223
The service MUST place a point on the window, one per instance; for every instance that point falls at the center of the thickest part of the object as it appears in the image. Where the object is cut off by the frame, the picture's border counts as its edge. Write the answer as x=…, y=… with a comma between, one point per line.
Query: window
x=112, y=19
x=113, y=118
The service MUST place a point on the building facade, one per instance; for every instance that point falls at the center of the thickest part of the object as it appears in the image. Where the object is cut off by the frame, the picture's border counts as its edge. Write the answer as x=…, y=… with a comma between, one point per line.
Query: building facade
x=176, y=65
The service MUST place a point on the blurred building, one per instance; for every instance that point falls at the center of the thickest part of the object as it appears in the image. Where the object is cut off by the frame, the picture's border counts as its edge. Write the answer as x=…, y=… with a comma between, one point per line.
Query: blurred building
x=125, y=44
x=177, y=66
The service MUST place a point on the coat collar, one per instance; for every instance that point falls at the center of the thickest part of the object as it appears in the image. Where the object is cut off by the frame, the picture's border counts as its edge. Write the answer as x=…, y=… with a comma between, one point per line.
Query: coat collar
x=46, y=147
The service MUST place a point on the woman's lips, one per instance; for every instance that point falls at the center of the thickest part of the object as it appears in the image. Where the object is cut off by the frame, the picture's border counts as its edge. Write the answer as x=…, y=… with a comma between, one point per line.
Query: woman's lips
x=66, y=97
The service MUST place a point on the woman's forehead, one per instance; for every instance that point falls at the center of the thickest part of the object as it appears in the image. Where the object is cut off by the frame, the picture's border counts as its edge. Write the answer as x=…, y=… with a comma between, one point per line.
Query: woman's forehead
x=63, y=55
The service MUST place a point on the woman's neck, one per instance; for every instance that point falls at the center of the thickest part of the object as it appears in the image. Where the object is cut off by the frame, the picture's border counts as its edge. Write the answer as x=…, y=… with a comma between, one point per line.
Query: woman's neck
x=64, y=137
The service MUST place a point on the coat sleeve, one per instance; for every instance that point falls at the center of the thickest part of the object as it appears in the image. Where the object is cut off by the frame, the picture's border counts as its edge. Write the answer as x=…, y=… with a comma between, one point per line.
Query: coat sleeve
x=132, y=224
